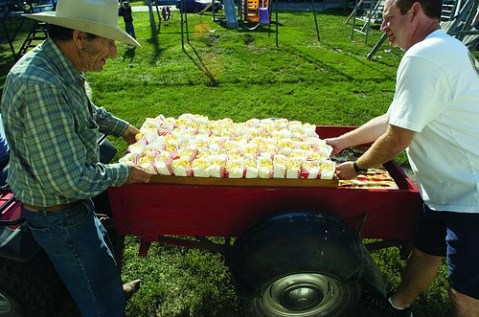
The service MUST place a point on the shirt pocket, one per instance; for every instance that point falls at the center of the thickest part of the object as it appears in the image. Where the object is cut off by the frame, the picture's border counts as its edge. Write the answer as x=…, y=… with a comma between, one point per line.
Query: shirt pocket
x=88, y=134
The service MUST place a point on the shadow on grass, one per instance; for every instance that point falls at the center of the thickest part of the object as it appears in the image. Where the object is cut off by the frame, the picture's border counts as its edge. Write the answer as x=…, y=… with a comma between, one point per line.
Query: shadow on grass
x=155, y=42
x=129, y=54
x=198, y=62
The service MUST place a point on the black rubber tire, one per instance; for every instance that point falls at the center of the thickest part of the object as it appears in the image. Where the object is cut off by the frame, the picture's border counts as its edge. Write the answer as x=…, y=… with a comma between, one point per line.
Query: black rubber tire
x=299, y=264
x=31, y=289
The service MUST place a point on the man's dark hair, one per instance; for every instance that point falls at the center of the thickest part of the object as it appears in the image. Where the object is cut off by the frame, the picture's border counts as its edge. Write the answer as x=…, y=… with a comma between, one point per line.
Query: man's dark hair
x=432, y=8
x=61, y=33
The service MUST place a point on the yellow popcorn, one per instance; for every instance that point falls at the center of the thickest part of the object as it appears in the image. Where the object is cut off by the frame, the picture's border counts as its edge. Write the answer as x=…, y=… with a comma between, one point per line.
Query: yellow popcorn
x=279, y=166
x=167, y=123
x=161, y=166
x=130, y=159
x=180, y=167
x=217, y=164
x=281, y=123
x=293, y=167
x=187, y=153
x=137, y=147
x=265, y=167
x=250, y=150
x=303, y=146
x=251, y=166
x=200, y=167
x=298, y=153
x=328, y=168
x=235, y=168
x=139, y=136
x=253, y=122
x=312, y=167
x=150, y=123
x=193, y=144
x=316, y=156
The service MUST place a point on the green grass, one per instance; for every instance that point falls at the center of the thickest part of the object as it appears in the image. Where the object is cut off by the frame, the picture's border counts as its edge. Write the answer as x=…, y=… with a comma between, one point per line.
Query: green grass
x=241, y=74
x=244, y=75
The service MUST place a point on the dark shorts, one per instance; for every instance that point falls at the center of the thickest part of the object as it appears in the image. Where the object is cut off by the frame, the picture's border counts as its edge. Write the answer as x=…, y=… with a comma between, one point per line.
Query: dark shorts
x=455, y=236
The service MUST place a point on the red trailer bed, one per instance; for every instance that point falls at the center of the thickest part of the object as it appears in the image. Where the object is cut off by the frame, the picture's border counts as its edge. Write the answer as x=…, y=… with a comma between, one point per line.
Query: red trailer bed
x=157, y=211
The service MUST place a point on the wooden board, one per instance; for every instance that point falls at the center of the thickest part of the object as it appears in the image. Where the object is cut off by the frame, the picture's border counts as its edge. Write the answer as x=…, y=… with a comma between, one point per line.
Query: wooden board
x=250, y=182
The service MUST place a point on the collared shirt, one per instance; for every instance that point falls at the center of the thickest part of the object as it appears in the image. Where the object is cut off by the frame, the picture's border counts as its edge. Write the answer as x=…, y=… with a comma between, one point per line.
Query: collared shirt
x=52, y=130
x=437, y=96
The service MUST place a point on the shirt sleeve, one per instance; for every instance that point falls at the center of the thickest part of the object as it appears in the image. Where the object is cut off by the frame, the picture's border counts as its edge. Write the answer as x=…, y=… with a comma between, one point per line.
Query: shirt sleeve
x=418, y=99
x=108, y=123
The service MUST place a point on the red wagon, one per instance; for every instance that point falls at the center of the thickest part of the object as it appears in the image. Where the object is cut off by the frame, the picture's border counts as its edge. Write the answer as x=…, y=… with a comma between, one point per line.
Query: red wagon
x=295, y=247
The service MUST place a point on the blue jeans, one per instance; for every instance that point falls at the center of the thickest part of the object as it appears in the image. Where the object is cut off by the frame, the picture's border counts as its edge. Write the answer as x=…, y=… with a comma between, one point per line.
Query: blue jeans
x=130, y=29
x=79, y=248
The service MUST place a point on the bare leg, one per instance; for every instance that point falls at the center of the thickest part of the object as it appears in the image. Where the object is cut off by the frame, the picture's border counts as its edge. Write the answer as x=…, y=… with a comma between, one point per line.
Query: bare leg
x=421, y=270
x=465, y=306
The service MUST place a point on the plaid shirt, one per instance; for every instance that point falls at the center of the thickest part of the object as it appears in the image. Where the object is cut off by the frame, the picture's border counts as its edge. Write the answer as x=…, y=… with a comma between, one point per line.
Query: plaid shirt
x=52, y=130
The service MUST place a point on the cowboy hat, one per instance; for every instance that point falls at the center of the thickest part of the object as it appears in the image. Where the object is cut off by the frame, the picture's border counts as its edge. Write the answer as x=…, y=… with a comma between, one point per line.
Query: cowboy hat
x=98, y=17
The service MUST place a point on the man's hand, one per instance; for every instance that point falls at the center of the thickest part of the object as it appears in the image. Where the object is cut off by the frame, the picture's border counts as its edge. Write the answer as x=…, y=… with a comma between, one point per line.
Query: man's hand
x=138, y=175
x=336, y=144
x=130, y=133
x=346, y=171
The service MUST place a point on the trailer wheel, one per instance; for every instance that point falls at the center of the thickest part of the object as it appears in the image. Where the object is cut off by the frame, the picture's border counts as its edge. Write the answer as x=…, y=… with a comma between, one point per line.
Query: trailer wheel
x=305, y=295
x=8, y=306
x=301, y=264
x=31, y=289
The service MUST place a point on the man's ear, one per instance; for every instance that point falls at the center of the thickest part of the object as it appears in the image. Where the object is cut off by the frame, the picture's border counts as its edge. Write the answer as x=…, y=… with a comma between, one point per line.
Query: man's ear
x=415, y=8
x=78, y=38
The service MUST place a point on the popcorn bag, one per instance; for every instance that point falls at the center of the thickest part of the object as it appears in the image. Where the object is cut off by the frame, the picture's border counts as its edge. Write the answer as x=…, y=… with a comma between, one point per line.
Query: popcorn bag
x=194, y=146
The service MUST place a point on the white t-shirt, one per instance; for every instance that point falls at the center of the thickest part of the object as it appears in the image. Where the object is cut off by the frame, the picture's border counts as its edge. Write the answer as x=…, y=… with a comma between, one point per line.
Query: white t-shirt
x=437, y=96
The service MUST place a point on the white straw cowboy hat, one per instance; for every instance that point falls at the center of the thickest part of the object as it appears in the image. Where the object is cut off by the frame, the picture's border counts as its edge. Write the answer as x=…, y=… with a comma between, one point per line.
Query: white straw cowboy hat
x=98, y=17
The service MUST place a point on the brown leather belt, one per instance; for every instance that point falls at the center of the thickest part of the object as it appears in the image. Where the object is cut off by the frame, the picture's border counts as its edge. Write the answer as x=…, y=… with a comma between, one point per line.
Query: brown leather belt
x=51, y=208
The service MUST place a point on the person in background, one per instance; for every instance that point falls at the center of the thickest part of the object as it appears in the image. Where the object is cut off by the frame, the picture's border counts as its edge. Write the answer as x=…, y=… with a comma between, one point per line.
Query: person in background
x=164, y=13
x=434, y=117
x=125, y=12
x=52, y=128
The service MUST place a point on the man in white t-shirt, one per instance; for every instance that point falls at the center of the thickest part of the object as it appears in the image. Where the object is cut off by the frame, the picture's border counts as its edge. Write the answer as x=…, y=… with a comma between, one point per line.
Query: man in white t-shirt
x=434, y=117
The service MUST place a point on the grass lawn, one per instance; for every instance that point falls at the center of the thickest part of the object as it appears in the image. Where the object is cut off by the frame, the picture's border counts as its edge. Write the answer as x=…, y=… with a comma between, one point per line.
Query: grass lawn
x=241, y=74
